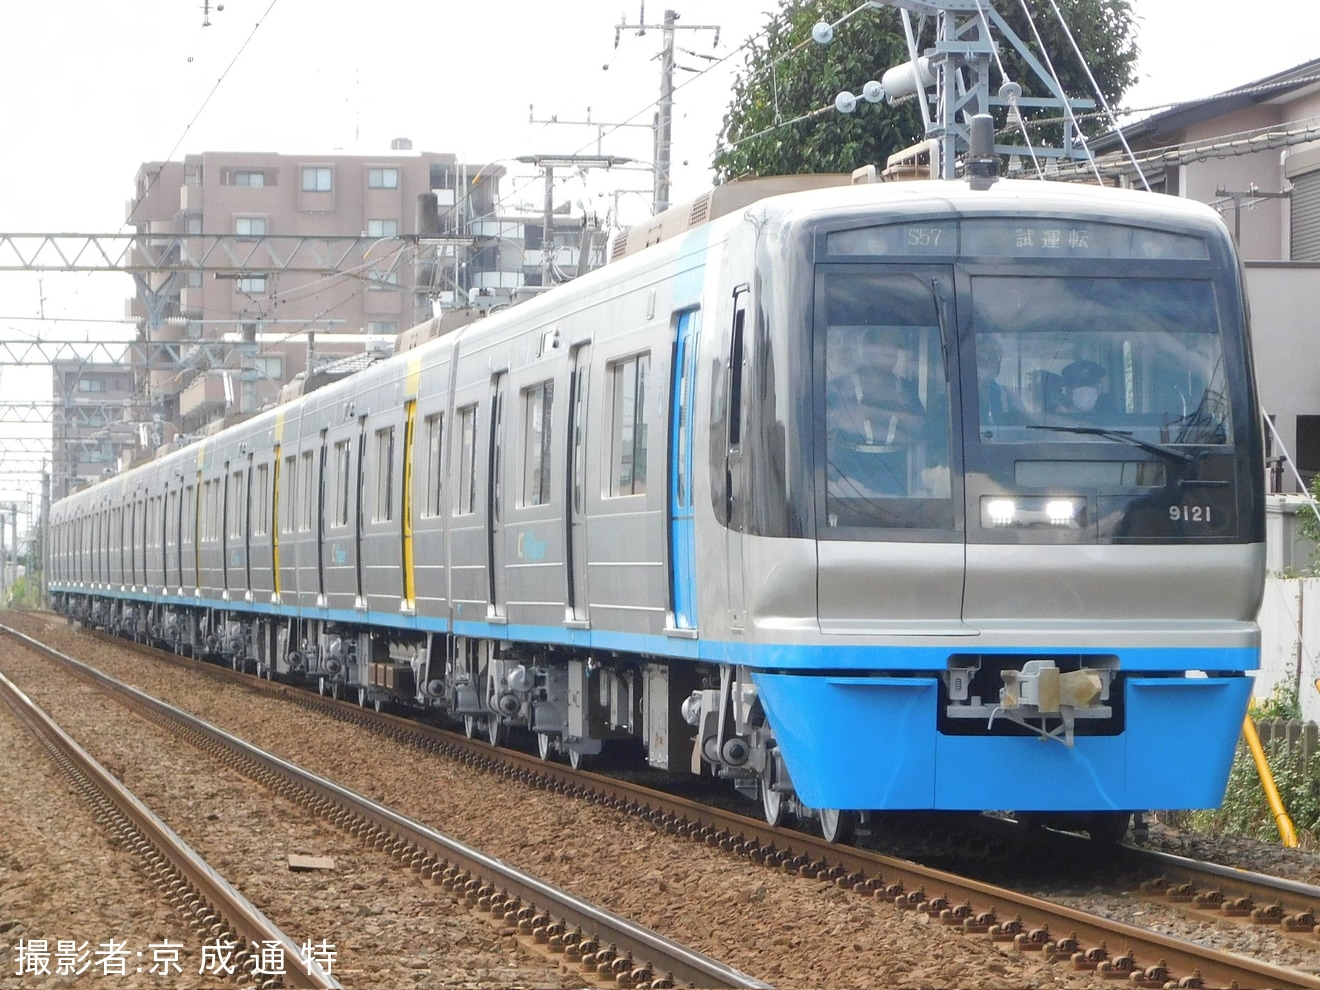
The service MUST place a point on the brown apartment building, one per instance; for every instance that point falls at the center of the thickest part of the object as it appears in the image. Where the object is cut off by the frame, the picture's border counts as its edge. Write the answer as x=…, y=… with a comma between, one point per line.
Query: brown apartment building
x=265, y=263
x=288, y=255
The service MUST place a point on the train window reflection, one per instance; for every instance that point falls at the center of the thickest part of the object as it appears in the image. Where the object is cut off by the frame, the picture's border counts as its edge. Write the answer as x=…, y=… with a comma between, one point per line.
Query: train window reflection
x=1086, y=356
x=886, y=402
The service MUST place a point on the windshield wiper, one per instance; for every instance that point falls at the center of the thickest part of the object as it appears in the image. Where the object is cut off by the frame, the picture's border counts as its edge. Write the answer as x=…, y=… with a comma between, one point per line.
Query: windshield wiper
x=1123, y=436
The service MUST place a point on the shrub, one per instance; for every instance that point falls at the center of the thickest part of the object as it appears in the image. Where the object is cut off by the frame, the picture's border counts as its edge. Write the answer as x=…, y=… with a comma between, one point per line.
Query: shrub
x=1245, y=810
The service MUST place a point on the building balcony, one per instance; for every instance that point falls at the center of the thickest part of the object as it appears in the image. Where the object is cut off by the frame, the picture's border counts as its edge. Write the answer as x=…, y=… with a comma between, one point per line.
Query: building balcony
x=206, y=396
x=496, y=280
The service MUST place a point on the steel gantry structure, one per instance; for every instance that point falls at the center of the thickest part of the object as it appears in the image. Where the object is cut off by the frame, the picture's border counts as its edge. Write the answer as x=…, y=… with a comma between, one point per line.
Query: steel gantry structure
x=157, y=262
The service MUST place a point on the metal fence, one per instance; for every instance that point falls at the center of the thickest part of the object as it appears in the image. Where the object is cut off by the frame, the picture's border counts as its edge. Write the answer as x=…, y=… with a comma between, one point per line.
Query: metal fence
x=1289, y=739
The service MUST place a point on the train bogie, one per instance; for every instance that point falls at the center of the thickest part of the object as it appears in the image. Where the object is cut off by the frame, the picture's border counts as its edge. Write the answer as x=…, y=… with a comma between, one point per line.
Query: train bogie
x=793, y=498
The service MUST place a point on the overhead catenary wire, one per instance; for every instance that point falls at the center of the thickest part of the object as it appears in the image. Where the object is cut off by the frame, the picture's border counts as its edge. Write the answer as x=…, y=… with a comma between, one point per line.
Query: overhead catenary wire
x=201, y=109
x=1049, y=66
x=609, y=129
x=1098, y=92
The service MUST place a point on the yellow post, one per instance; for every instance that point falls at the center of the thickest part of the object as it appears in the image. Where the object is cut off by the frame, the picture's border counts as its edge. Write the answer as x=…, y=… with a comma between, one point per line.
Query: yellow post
x=1287, y=833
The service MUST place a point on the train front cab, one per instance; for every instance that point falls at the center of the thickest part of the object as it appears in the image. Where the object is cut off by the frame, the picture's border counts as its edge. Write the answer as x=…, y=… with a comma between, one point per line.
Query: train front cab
x=1025, y=607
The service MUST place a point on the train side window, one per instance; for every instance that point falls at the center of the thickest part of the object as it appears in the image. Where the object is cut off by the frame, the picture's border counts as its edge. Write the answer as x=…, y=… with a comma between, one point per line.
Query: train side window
x=341, y=493
x=629, y=425
x=466, y=493
x=383, y=510
x=289, y=505
x=261, y=508
x=308, y=493
x=217, y=503
x=435, y=426
x=235, y=506
x=210, y=509
x=537, y=403
x=736, y=372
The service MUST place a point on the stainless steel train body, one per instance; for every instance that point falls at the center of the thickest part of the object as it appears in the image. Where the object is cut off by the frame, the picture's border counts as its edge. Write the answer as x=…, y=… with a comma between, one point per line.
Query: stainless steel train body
x=644, y=506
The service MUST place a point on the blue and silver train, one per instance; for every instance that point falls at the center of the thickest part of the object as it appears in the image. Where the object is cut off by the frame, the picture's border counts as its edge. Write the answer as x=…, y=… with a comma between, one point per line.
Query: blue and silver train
x=889, y=496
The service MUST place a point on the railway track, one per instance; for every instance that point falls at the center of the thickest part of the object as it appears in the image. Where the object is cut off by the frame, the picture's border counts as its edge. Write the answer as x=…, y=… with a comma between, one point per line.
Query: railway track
x=600, y=947
x=208, y=901
x=1084, y=946
x=1224, y=892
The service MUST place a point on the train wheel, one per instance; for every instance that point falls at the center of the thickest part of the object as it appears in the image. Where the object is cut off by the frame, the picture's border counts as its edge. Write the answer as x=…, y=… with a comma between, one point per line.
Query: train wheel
x=494, y=730
x=470, y=726
x=836, y=825
x=579, y=761
x=1109, y=827
x=543, y=745
x=772, y=804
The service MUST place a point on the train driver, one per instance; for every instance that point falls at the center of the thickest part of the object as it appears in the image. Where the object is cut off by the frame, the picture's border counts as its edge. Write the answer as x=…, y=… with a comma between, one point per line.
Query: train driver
x=1084, y=391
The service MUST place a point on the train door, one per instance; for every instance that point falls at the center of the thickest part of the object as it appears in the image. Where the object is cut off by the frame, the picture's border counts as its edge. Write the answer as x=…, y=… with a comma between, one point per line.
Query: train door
x=575, y=560
x=733, y=468
x=247, y=529
x=179, y=533
x=226, y=528
x=406, y=511
x=291, y=556
x=194, y=504
x=682, y=544
x=131, y=518
x=494, y=500
x=884, y=337
x=275, y=526
x=359, y=516
x=163, y=506
x=320, y=521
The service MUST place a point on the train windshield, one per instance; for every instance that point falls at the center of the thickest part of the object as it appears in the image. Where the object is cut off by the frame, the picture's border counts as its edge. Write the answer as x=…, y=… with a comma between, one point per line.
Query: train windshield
x=1040, y=382
x=1103, y=360
x=887, y=419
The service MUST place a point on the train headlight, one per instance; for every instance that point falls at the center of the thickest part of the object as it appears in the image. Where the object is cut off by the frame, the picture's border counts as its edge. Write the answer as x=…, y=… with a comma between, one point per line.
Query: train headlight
x=1031, y=511
x=998, y=511
x=1060, y=512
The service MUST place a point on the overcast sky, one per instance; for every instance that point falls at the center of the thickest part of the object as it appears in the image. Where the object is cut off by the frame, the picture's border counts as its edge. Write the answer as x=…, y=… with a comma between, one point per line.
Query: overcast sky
x=92, y=89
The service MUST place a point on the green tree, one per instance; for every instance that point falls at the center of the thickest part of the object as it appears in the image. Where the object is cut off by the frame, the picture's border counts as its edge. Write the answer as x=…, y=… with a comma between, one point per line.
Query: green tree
x=781, y=118
x=1308, y=525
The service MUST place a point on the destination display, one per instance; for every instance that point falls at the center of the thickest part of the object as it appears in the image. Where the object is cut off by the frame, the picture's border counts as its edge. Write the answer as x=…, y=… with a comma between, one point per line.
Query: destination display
x=1019, y=238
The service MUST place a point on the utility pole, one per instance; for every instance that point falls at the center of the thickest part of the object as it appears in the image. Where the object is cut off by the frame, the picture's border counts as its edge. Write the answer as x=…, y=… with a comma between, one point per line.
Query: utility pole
x=42, y=598
x=664, y=115
x=547, y=223
x=664, y=118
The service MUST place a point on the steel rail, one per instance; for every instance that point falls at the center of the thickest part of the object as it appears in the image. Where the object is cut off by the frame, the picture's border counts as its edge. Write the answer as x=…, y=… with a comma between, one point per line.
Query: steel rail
x=1228, y=891
x=236, y=910
x=457, y=863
